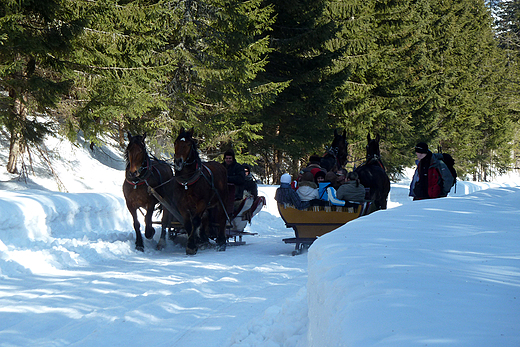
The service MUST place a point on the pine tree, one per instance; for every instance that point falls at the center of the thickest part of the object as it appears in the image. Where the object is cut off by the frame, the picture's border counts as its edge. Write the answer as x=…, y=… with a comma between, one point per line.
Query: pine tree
x=469, y=118
x=33, y=38
x=508, y=34
x=121, y=67
x=301, y=121
x=219, y=49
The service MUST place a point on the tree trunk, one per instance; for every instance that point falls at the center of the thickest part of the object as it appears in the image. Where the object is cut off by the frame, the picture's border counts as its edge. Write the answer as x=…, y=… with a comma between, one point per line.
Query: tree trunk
x=15, y=149
x=16, y=140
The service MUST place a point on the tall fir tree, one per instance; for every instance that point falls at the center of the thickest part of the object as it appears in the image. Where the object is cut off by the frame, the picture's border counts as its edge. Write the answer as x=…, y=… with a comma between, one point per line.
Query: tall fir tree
x=300, y=121
x=121, y=67
x=219, y=49
x=34, y=37
x=508, y=33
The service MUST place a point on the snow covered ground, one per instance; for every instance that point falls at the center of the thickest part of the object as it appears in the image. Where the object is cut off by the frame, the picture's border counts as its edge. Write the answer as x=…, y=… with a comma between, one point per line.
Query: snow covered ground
x=444, y=272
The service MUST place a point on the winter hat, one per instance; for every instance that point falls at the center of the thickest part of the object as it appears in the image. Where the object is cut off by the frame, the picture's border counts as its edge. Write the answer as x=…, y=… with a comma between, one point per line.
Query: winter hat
x=314, y=159
x=308, y=177
x=319, y=174
x=421, y=147
x=229, y=152
x=286, y=178
x=315, y=171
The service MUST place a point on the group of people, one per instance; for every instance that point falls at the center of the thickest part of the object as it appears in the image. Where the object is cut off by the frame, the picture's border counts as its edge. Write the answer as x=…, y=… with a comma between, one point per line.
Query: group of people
x=240, y=176
x=316, y=187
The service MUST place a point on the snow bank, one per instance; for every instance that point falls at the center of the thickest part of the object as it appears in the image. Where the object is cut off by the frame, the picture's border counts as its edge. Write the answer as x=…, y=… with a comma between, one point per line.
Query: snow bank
x=437, y=272
x=32, y=220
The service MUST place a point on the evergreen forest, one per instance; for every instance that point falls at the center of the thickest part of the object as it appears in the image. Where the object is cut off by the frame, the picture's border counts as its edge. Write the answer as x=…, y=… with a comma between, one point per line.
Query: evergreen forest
x=271, y=79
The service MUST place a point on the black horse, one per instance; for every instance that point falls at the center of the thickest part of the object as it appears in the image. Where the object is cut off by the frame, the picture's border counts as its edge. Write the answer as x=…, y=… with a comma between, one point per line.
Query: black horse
x=336, y=156
x=200, y=193
x=143, y=172
x=372, y=174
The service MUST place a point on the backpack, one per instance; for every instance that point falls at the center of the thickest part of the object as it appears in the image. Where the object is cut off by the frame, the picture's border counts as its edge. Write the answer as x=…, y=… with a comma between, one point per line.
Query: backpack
x=445, y=164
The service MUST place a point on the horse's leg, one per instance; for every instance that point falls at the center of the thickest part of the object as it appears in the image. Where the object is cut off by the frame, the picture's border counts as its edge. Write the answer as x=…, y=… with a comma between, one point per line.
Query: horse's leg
x=191, y=227
x=221, y=236
x=149, y=231
x=138, y=237
x=204, y=230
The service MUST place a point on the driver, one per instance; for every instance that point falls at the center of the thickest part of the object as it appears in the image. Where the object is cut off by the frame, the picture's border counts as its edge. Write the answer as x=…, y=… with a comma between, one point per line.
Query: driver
x=235, y=173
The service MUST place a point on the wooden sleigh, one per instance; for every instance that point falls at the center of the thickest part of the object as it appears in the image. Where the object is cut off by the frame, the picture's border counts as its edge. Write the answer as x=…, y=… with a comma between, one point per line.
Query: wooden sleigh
x=316, y=221
x=240, y=212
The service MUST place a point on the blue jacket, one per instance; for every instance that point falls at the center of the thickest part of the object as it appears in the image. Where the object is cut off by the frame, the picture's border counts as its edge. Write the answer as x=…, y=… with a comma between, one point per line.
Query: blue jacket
x=328, y=193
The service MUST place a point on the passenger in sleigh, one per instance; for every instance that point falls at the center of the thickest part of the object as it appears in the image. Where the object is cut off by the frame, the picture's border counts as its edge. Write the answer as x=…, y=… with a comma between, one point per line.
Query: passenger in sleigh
x=250, y=204
x=327, y=192
x=307, y=188
x=250, y=186
x=287, y=196
x=352, y=190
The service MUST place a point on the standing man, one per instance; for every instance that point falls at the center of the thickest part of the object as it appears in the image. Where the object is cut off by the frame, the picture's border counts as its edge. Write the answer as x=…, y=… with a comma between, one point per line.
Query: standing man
x=235, y=173
x=426, y=181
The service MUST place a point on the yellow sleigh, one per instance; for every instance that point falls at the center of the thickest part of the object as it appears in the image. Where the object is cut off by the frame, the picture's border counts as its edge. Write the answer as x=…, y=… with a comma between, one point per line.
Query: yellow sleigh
x=316, y=221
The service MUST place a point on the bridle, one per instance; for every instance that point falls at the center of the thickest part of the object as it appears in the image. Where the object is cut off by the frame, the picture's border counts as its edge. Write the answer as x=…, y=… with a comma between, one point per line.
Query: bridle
x=374, y=158
x=144, y=173
x=180, y=164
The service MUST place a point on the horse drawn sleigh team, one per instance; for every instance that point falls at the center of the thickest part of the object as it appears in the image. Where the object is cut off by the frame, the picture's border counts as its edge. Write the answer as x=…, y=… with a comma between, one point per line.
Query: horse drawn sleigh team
x=198, y=201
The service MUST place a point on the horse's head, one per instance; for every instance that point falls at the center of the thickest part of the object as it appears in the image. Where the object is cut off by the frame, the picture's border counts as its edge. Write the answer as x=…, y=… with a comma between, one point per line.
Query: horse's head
x=339, y=147
x=136, y=155
x=373, y=151
x=185, y=149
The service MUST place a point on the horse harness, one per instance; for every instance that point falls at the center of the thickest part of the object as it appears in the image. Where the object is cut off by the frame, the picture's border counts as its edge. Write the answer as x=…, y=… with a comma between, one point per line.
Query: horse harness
x=196, y=176
x=375, y=159
x=333, y=151
x=147, y=169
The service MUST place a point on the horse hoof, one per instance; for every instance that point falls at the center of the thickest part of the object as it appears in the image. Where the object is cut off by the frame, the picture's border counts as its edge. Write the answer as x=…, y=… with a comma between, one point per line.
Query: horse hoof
x=139, y=248
x=221, y=248
x=191, y=251
x=149, y=233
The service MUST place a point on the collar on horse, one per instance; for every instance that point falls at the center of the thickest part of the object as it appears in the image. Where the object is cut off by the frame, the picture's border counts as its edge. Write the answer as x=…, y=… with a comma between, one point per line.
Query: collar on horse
x=144, y=173
x=375, y=159
x=193, y=178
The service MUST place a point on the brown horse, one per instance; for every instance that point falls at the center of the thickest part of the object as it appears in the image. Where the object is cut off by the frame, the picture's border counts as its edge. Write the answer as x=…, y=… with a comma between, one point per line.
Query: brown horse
x=336, y=156
x=200, y=188
x=143, y=172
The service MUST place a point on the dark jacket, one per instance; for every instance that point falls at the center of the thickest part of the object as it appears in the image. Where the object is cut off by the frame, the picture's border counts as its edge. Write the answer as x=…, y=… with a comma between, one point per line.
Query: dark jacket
x=286, y=195
x=250, y=185
x=426, y=183
x=237, y=176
